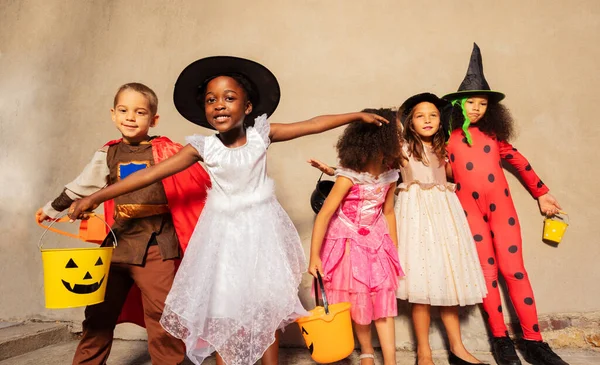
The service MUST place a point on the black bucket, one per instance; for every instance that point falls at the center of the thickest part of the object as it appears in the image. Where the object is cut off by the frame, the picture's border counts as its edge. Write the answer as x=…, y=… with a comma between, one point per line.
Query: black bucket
x=317, y=198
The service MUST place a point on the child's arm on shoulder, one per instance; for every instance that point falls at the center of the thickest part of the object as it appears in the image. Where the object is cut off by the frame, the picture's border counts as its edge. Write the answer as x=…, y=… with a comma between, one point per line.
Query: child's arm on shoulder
x=183, y=159
x=390, y=214
x=326, y=169
x=286, y=131
x=93, y=178
x=548, y=203
x=334, y=199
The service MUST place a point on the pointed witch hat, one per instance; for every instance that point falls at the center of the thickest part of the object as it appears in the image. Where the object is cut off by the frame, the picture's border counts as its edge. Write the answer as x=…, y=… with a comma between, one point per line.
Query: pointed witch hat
x=475, y=82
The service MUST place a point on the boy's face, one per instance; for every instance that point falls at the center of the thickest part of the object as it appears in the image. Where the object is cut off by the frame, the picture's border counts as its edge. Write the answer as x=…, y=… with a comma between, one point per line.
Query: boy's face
x=475, y=107
x=226, y=104
x=132, y=116
x=426, y=120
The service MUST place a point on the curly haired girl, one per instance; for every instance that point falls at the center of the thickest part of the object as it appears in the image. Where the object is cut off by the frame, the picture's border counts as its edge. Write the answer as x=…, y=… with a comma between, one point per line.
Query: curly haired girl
x=354, y=237
x=479, y=141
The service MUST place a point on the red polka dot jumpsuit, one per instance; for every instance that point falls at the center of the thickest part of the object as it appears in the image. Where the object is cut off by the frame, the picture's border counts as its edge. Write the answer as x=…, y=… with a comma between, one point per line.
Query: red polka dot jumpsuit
x=484, y=194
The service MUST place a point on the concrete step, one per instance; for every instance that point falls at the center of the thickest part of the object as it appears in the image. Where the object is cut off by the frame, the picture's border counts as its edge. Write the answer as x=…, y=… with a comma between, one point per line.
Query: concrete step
x=135, y=353
x=20, y=338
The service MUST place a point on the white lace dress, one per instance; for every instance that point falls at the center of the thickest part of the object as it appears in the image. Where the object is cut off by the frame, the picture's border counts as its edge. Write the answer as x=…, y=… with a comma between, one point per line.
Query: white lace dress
x=238, y=281
x=435, y=245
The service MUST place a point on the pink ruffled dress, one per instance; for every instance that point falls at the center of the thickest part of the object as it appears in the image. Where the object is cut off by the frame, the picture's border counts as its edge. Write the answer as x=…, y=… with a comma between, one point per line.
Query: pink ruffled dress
x=360, y=261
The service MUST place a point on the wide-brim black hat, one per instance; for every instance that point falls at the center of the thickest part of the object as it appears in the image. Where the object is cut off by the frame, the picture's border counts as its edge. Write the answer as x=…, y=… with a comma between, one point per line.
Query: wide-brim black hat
x=411, y=102
x=442, y=105
x=189, y=84
x=474, y=82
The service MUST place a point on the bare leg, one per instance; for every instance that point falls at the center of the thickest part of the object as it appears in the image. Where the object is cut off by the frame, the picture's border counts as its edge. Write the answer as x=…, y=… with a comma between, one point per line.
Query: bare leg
x=271, y=356
x=421, y=321
x=363, y=333
x=452, y=324
x=387, y=339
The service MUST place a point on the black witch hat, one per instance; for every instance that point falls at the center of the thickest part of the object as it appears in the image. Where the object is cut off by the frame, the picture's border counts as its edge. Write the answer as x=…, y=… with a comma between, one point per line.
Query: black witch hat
x=475, y=82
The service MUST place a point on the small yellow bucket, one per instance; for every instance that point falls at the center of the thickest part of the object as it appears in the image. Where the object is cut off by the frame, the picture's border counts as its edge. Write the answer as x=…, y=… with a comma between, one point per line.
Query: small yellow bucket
x=328, y=330
x=75, y=277
x=555, y=227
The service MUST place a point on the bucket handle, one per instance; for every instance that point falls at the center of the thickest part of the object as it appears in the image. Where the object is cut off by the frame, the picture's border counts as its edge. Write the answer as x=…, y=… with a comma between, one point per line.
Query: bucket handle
x=63, y=218
x=320, y=177
x=319, y=285
x=562, y=216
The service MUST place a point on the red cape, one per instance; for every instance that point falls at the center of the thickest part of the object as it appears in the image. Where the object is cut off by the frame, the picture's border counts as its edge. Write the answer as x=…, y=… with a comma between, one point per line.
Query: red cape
x=186, y=194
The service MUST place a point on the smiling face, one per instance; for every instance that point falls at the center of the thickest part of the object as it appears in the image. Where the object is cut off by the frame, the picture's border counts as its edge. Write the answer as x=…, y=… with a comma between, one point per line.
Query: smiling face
x=475, y=107
x=425, y=120
x=132, y=116
x=226, y=104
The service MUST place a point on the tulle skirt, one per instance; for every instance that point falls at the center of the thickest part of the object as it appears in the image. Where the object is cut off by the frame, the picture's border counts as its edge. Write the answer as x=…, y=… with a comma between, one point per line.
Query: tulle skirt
x=238, y=281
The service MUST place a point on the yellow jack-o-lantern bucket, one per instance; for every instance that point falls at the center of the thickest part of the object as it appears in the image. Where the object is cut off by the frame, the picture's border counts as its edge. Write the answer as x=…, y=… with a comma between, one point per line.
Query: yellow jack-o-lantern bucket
x=328, y=330
x=555, y=227
x=75, y=277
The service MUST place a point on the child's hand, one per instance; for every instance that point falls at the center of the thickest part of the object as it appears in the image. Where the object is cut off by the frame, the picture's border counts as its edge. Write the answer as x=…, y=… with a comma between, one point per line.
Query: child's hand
x=373, y=119
x=40, y=216
x=314, y=266
x=81, y=208
x=549, y=205
x=327, y=170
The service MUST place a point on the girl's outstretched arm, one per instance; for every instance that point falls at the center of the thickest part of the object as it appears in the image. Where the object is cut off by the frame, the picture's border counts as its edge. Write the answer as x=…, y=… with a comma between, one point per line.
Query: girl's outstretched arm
x=548, y=203
x=183, y=159
x=326, y=169
x=284, y=132
x=533, y=182
x=390, y=215
x=334, y=199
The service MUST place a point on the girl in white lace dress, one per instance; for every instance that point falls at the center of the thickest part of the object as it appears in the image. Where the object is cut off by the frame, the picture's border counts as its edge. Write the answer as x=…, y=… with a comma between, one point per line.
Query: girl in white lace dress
x=238, y=281
x=435, y=245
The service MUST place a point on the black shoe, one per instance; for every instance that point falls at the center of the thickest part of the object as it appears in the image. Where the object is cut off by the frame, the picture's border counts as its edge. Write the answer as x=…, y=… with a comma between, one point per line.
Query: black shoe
x=504, y=352
x=539, y=353
x=455, y=360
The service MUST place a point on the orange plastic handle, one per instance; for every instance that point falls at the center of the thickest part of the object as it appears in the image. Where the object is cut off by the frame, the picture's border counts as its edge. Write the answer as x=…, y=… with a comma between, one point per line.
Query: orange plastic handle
x=56, y=230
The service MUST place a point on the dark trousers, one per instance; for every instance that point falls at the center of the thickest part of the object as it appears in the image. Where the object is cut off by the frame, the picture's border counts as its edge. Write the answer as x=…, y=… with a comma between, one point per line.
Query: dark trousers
x=154, y=280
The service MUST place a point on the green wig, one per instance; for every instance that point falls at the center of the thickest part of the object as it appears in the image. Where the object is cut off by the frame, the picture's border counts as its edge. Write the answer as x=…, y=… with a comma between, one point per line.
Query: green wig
x=466, y=123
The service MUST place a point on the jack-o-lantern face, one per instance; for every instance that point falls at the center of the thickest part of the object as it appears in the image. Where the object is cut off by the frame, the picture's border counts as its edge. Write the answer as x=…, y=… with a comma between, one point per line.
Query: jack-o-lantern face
x=311, y=347
x=80, y=280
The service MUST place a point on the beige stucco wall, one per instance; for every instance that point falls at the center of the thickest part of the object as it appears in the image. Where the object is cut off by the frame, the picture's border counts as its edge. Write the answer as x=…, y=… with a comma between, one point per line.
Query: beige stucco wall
x=61, y=62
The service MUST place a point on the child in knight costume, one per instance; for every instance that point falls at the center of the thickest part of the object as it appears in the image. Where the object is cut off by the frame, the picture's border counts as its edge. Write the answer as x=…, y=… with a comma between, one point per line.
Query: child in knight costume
x=152, y=225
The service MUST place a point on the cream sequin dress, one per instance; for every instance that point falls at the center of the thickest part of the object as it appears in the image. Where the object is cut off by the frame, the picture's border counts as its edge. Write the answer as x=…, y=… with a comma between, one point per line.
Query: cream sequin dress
x=435, y=245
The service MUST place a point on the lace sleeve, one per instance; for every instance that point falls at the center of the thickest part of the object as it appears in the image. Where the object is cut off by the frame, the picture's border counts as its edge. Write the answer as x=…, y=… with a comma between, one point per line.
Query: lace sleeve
x=197, y=141
x=350, y=174
x=262, y=126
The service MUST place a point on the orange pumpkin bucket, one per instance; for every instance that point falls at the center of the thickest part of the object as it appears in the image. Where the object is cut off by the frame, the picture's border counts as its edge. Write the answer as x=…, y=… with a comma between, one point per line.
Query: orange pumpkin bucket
x=76, y=277
x=328, y=330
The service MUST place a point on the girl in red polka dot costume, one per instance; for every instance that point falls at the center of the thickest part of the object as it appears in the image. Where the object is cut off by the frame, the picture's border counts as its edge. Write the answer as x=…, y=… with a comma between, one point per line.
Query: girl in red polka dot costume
x=479, y=134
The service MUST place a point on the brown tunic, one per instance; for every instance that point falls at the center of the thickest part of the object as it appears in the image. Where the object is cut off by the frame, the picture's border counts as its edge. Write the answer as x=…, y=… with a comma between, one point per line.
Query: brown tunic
x=142, y=217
